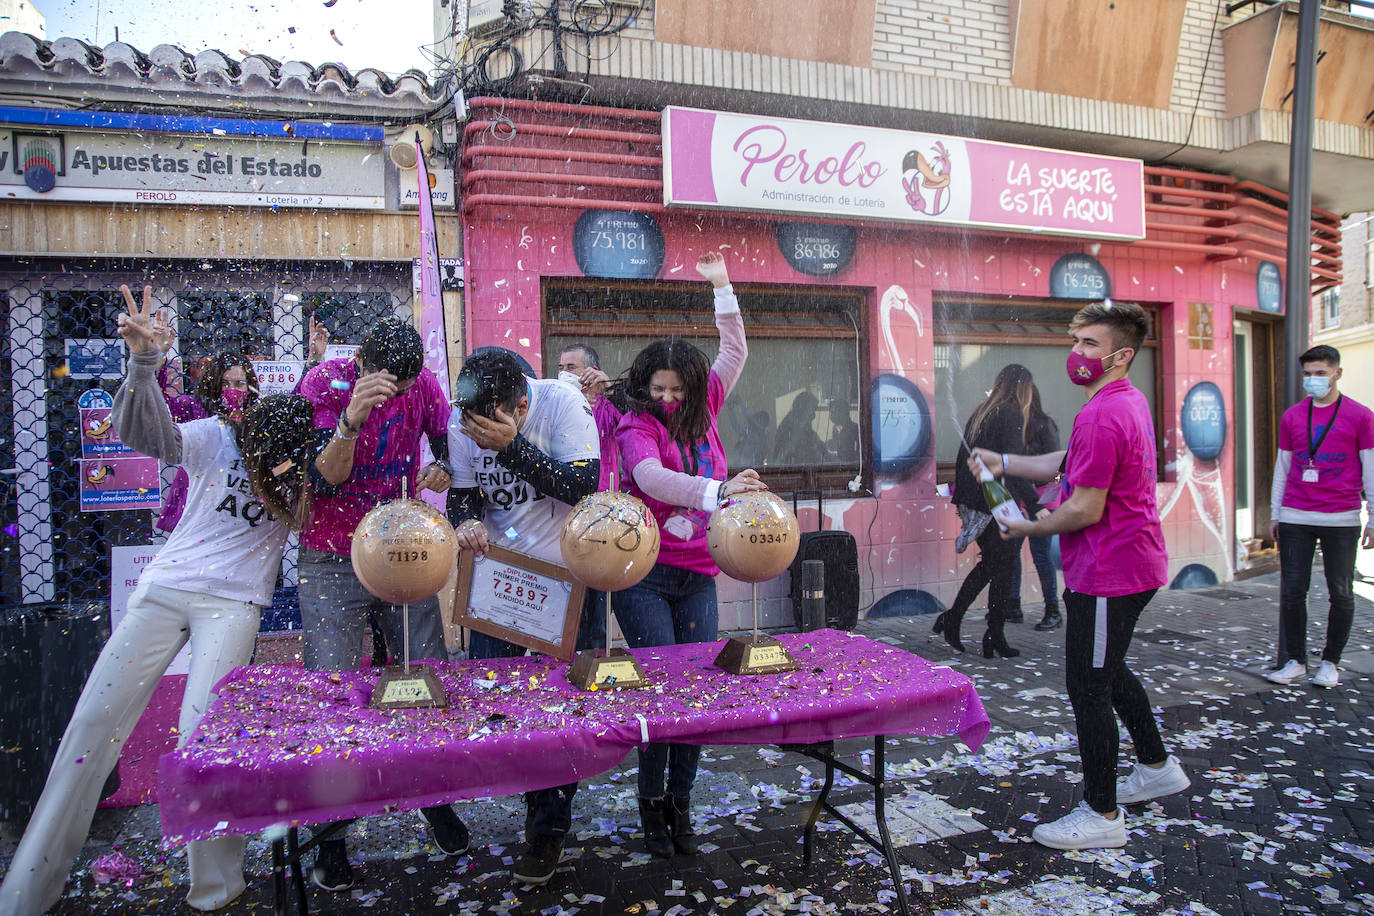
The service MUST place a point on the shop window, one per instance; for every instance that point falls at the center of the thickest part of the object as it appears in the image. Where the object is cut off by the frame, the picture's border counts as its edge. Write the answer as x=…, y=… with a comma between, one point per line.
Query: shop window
x=347, y=315
x=975, y=339
x=211, y=322
x=799, y=413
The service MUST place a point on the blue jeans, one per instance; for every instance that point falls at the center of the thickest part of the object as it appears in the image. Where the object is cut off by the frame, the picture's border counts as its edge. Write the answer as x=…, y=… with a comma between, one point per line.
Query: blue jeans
x=1044, y=568
x=1297, y=547
x=670, y=606
x=550, y=809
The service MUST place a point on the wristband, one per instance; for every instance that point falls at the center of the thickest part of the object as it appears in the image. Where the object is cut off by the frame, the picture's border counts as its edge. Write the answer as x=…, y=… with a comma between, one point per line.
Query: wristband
x=1006, y=465
x=343, y=418
x=339, y=434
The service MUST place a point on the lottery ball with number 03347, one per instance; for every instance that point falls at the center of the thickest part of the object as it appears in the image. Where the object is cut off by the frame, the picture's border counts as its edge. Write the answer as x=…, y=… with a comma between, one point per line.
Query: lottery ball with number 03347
x=753, y=537
x=403, y=551
x=610, y=541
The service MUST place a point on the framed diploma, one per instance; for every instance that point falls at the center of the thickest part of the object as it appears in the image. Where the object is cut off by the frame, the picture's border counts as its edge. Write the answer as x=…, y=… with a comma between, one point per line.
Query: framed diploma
x=521, y=599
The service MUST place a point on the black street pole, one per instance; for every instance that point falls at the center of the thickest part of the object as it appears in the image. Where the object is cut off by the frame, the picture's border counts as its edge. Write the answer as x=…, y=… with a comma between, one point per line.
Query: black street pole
x=1298, y=288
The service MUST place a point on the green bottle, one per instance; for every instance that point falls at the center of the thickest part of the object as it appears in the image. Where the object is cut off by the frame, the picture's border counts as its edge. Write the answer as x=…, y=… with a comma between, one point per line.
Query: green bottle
x=1000, y=502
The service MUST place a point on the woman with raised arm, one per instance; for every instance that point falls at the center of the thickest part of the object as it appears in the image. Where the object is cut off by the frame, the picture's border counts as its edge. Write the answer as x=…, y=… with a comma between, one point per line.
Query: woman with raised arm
x=674, y=461
x=206, y=586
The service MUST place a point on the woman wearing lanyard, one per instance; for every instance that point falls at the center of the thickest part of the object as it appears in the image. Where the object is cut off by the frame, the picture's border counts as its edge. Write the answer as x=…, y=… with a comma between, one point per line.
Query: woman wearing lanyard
x=674, y=461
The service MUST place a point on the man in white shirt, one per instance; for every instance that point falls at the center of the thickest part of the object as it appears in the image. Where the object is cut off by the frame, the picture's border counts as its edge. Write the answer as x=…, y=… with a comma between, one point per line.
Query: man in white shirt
x=524, y=451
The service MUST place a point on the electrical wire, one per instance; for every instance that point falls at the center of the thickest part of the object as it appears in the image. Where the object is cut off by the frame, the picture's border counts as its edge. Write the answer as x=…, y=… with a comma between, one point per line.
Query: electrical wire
x=1201, y=82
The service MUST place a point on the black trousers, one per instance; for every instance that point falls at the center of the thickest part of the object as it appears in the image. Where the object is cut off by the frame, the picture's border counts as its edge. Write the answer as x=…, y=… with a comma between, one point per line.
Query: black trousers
x=1297, y=546
x=993, y=571
x=1101, y=687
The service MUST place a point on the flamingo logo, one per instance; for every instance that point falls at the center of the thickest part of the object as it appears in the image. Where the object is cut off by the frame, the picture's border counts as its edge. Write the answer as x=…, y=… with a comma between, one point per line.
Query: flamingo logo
x=922, y=177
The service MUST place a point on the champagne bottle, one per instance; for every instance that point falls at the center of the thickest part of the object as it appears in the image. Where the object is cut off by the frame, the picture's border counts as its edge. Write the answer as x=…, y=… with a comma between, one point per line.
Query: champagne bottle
x=1000, y=502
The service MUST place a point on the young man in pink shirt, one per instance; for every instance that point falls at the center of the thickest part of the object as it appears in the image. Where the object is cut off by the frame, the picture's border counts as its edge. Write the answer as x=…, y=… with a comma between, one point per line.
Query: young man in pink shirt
x=1326, y=457
x=1114, y=562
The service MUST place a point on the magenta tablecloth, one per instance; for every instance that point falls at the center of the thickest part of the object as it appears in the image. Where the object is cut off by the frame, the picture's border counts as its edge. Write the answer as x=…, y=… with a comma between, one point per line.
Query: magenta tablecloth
x=283, y=746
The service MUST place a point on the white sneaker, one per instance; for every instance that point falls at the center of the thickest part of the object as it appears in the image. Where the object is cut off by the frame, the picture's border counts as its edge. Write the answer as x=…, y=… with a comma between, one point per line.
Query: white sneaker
x=1083, y=828
x=1327, y=675
x=1145, y=783
x=1288, y=673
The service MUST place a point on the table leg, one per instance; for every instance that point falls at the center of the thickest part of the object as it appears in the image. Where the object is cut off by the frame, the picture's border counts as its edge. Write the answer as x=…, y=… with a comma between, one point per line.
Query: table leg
x=825, y=753
x=809, y=833
x=297, y=876
x=880, y=816
x=279, y=877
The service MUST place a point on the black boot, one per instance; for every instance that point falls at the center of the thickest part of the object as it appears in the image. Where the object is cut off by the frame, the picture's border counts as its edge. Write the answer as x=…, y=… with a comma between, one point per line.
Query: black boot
x=995, y=642
x=1013, y=613
x=1052, y=621
x=653, y=817
x=680, y=824
x=947, y=625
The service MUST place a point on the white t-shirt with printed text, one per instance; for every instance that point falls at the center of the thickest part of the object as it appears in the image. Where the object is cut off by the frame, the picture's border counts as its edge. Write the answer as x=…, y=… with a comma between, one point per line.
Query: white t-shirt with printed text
x=517, y=517
x=226, y=544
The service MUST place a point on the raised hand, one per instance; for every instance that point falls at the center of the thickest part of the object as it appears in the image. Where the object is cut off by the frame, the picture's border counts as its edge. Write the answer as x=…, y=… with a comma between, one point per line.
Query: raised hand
x=319, y=340
x=136, y=323
x=164, y=331
x=372, y=389
x=712, y=266
x=594, y=381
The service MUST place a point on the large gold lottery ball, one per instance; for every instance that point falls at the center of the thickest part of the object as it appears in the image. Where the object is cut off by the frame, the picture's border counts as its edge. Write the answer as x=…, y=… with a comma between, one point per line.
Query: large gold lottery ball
x=403, y=551
x=753, y=537
x=610, y=541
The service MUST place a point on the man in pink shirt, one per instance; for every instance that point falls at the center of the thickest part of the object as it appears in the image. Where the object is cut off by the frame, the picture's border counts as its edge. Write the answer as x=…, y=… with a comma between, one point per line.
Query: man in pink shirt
x=1114, y=562
x=1326, y=457
x=370, y=412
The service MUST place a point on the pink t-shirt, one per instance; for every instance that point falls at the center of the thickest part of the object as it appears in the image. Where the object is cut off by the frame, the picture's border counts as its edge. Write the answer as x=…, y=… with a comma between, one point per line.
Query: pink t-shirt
x=607, y=420
x=1337, y=462
x=388, y=447
x=682, y=530
x=1112, y=448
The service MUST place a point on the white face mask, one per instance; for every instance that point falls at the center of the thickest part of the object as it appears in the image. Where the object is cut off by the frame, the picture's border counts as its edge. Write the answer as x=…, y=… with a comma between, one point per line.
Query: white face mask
x=1316, y=386
x=572, y=378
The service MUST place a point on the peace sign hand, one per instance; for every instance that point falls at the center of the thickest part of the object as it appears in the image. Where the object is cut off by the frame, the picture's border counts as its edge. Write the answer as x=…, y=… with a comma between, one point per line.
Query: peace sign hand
x=136, y=324
x=319, y=340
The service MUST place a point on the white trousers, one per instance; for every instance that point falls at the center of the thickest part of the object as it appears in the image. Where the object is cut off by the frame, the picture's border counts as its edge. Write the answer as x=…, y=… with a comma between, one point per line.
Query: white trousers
x=159, y=622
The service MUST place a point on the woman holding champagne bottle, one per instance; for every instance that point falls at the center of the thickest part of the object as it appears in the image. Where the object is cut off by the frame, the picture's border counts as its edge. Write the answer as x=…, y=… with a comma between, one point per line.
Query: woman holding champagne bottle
x=999, y=425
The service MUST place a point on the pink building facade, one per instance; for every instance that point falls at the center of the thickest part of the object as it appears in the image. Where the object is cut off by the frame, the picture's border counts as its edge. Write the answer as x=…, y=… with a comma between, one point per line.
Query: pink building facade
x=935, y=310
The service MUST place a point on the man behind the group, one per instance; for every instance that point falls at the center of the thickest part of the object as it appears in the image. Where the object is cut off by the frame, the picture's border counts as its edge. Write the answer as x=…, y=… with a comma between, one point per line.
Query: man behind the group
x=1326, y=457
x=576, y=359
x=370, y=411
x=1114, y=562
x=524, y=452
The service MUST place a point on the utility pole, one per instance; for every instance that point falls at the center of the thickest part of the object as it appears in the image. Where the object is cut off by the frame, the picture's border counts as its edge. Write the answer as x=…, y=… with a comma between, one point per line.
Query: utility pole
x=1298, y=285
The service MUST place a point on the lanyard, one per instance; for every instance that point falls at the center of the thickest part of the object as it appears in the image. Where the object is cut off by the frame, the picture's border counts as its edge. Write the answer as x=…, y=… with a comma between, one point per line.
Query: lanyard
x=1312, y=446
x=688, y=463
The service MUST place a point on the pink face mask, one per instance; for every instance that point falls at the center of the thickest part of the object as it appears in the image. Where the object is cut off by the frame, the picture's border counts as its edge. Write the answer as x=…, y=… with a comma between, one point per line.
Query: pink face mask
x=233, y=401
x=1084, y=370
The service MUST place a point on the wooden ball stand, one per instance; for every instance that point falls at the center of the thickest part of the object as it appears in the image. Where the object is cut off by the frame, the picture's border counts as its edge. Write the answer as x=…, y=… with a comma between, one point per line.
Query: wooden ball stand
x=608, y=668
x=400, y=687
x=755, y=654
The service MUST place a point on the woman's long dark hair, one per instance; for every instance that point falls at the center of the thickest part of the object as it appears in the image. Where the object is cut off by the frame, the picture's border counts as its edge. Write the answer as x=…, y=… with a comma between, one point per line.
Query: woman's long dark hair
x=690, y=422
x=211, y=385
x=276, y=442
x=1013, y=387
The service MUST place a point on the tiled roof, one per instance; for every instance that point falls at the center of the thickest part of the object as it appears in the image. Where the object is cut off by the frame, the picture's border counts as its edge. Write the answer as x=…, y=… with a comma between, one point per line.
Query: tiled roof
x=119, y=72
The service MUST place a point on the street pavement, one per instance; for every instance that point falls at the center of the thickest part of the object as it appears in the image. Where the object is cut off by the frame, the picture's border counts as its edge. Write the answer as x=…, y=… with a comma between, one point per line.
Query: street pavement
x=1277, y=820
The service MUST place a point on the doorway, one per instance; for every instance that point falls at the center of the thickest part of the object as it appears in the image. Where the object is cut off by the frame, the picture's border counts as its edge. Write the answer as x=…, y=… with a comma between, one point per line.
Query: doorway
x=1255, y=402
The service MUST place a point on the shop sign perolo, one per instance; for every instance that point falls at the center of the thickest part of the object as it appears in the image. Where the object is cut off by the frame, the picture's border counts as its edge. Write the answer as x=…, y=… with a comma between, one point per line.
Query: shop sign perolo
x=729, y=161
